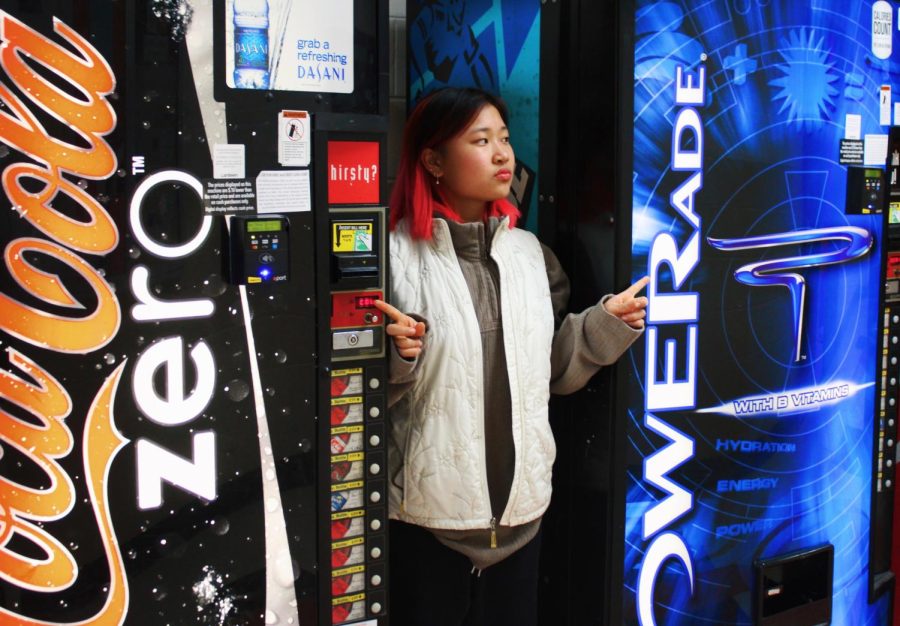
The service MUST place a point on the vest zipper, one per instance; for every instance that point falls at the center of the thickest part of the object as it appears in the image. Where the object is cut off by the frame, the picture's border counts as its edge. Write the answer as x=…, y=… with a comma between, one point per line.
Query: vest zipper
x=493, y=532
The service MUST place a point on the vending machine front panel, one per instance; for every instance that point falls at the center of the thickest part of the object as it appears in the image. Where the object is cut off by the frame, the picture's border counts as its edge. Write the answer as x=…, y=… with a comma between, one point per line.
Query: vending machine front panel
x=752, y=406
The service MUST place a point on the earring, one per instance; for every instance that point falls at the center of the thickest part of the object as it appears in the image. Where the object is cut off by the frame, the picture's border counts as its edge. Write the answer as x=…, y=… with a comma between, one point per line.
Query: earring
x=437, y=181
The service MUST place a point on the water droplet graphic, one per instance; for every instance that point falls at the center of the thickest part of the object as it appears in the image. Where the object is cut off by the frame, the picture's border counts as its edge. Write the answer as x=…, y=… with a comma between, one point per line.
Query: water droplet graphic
x=220, y=526
x=214, y=603
x=213, y=286
x=178, y=13
x=237, y=389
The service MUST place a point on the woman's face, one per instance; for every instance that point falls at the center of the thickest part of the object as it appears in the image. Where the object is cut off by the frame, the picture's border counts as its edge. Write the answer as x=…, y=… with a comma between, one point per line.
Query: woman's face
x=476, y=166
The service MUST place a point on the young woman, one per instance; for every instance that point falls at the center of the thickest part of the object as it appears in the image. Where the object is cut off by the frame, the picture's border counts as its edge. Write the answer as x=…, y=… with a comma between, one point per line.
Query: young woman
x=476, y=354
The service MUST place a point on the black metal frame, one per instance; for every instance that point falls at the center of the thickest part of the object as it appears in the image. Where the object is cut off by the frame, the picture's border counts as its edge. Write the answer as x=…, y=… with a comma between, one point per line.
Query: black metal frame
x=585, y=216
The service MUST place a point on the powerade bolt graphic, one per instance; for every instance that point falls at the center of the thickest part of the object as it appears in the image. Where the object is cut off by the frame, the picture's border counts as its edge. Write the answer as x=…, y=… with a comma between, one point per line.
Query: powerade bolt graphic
x=251, y=44
x=857, y=242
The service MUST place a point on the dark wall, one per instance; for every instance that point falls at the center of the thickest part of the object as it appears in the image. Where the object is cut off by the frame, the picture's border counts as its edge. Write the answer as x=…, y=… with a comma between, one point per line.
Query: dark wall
x=582, y=205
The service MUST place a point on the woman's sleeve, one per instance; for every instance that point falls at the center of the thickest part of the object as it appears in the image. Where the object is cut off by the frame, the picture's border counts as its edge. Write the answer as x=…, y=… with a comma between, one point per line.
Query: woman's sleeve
x=584, y=342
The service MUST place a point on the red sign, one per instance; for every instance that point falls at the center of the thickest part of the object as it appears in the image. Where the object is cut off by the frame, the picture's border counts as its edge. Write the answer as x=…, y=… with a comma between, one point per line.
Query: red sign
x=353, y=172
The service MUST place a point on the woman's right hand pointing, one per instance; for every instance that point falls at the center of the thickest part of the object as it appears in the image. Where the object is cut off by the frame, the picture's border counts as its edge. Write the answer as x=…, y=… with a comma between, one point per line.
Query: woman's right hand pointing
x=405, y=330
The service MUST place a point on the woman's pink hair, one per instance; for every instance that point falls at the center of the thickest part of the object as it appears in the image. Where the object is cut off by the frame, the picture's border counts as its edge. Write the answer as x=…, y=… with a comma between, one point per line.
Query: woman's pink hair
x=439, y=116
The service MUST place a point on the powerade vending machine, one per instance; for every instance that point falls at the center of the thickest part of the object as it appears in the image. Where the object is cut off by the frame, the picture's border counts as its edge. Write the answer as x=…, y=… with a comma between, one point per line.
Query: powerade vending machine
x=760, y=409
x=192, y=380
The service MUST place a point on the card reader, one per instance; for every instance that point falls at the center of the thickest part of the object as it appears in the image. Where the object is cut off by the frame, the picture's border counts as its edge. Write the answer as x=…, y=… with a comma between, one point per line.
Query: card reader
x=258, y=249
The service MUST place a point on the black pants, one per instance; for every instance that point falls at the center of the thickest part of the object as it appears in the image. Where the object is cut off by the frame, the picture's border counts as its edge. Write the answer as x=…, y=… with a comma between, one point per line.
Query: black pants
x=432, y=585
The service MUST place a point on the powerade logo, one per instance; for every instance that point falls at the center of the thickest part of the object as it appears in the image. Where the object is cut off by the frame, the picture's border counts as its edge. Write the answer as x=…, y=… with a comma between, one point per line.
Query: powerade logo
x=854, y=243
x=678, y=310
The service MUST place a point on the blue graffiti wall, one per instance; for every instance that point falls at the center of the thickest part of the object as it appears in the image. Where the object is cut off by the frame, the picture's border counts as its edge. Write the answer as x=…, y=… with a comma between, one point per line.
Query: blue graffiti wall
x=750, y=428
x=492, y=44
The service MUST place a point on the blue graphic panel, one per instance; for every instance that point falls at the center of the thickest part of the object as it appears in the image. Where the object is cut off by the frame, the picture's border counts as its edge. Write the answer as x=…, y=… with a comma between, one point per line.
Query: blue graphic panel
x=491, y=44
x=751, y=415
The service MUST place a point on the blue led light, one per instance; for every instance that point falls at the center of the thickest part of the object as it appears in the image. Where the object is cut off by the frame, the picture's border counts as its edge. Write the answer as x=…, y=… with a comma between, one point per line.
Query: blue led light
x=265, y=272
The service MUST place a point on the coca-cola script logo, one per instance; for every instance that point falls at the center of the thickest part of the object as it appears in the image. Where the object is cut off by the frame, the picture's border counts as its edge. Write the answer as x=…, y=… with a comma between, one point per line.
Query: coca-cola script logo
x=28, y=384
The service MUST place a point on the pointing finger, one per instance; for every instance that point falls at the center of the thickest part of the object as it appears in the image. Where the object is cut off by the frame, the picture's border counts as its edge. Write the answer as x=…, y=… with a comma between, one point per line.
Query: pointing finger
x=392, y=312
x=633, y=316
x=401, y=330
x=638, y=303
x=637, y=286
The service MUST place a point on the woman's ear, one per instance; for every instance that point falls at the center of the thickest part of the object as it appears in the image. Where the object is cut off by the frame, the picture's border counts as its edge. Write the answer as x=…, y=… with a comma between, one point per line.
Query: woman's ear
x=431, y=159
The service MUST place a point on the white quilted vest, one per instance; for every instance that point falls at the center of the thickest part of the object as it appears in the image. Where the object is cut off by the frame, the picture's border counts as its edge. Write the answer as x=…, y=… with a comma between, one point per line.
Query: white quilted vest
x=436, y=443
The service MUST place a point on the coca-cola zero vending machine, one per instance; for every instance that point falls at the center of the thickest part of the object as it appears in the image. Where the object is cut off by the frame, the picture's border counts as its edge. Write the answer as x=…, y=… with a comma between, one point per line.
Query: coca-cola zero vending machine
x=191, y=394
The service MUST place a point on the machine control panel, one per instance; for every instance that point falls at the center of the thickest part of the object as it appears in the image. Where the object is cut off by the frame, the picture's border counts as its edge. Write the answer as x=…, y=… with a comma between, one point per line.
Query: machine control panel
x=357, y=280
x=865, y=190
x=885, y=427
x=355, y=250
x=357, y=434
x=258, y=249
x=889, y=383
x=355, y=309
x=358, y=502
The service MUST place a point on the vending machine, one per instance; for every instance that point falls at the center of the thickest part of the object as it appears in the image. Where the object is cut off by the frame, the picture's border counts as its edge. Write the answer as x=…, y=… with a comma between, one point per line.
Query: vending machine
x=738, y=465
x=192, y=385
x=744, y=470
x=761, y=409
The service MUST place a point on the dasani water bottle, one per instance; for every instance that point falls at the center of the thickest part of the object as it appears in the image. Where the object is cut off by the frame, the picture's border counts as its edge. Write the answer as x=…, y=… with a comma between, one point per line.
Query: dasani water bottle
x=251, y=44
